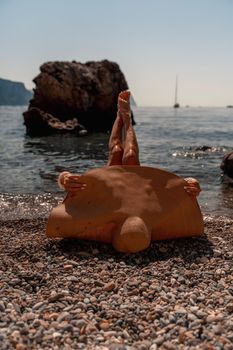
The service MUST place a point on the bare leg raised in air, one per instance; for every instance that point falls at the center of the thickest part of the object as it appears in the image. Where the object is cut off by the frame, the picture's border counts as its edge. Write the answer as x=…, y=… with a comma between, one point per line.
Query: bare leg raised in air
x=115, y=143
x=123, y=151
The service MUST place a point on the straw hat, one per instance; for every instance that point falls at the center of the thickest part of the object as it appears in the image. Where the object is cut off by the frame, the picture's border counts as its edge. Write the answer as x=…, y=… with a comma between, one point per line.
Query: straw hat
x=127, y=206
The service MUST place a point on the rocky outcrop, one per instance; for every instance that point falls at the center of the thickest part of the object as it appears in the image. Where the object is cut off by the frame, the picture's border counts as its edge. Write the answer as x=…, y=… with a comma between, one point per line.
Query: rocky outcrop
x=45, y=124
x=227, y=164
x=75, y=91
x=13, y=93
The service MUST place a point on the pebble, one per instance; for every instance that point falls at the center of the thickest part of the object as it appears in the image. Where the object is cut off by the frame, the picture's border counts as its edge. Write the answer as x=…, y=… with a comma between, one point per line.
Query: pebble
x=20, y=346
x=57, y=335
x=68, y=267
x=15, y=335
x=63, y=316
x=125, y=334
x=2, y=306
x=159, y=340
x=229, y=308
x=201, y=314
x=52, y=316
x=153, y=347
x=104, y=325
x=40, y=265
x=163, y=249
x=214, y=318
x=169, y=346
x=217, y=329
x=38, y=305
x=180, y=310
x=108, y=287
x=191, y=317
x=217, y=252
x=55, y=296
x=28, y=316
x=80, y=323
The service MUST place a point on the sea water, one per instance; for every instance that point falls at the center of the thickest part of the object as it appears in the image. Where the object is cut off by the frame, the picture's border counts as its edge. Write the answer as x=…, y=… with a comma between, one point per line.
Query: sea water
x=190, y=142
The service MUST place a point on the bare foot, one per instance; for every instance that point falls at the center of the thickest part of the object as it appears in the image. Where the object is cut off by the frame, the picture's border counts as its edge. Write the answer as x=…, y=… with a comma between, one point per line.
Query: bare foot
x=124, y=107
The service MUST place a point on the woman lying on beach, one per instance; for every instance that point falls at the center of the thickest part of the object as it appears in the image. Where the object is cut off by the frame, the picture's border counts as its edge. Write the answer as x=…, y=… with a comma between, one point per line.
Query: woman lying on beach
x=124, y=152
x=124, y=203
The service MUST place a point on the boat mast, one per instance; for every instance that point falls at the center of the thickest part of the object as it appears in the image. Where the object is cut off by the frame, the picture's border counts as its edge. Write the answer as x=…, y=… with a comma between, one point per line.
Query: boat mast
x=176, y=90
x=176, y=104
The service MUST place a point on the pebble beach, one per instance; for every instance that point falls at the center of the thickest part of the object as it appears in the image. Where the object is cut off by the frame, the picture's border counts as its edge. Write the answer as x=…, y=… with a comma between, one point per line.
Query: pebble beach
x=70, y=294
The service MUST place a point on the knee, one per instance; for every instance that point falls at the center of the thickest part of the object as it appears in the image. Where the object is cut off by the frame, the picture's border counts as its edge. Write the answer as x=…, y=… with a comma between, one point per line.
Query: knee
x=130, y=157
x=115, y=155
x=115, y=146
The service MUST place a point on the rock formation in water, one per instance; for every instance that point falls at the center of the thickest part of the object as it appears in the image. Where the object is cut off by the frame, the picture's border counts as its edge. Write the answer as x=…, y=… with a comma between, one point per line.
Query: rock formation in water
x=227, y=164
x=13, y=93
x=45, y=124
x=83, y=94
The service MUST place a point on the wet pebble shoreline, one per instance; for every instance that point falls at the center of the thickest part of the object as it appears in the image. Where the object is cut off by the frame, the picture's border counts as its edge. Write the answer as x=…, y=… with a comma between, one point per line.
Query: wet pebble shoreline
x=71, y=294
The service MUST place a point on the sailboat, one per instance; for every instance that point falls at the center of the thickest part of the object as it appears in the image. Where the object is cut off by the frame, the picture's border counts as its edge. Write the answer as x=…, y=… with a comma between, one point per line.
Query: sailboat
x=176, y=104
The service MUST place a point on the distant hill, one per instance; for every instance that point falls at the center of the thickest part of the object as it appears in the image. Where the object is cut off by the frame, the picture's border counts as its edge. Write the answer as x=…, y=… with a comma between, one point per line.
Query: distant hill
x=13, y=93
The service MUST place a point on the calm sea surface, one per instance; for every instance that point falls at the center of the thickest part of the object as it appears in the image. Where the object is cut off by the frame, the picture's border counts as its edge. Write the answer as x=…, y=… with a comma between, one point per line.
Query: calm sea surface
x=187, y=141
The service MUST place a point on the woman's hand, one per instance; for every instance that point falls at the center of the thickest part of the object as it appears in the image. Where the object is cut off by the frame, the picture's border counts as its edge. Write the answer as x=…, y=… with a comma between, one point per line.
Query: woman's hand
x=192, y=187
x=70, y=182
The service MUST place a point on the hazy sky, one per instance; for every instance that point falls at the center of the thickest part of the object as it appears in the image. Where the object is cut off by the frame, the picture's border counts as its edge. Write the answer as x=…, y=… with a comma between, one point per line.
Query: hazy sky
x=151, y=40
